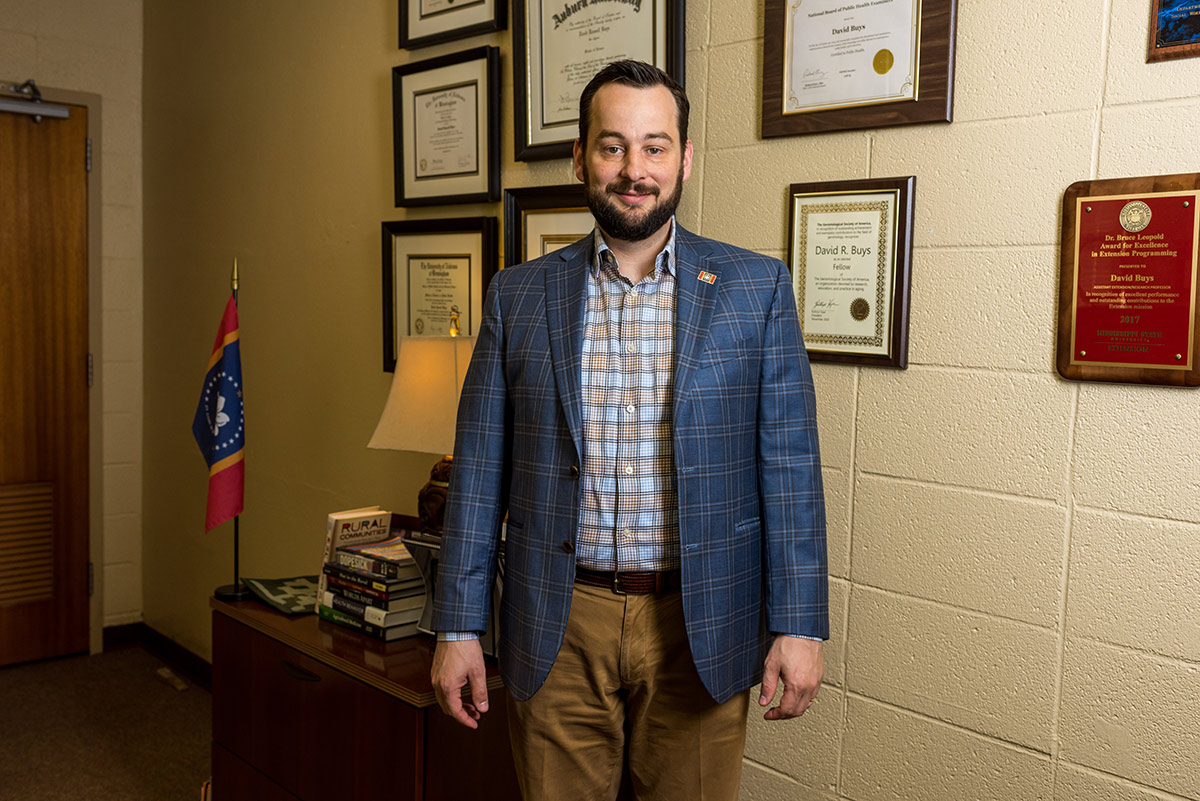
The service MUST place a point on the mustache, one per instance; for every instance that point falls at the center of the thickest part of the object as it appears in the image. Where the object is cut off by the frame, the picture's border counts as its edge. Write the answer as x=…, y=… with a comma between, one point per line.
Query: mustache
x=623, y=187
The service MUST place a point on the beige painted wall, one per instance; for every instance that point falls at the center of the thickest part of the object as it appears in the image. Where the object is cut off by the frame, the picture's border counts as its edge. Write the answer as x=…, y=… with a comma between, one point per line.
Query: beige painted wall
x=79, y=46
x=1014, y=557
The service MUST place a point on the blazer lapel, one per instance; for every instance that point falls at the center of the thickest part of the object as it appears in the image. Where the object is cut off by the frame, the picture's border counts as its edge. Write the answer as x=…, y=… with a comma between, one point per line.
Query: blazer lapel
x=695, y=296
x=566, y=306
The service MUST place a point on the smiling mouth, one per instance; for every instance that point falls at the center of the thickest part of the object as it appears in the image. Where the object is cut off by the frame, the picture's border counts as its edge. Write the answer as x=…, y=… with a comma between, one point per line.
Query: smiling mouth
x=634, y=194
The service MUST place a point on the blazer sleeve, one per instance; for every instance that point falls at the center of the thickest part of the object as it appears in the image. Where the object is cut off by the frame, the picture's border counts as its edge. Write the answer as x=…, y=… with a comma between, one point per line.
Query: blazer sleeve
x=477, y=496
x=792, y=496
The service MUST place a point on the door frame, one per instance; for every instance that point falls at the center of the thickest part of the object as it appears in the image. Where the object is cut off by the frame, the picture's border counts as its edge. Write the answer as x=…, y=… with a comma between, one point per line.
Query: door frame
x=92, y=102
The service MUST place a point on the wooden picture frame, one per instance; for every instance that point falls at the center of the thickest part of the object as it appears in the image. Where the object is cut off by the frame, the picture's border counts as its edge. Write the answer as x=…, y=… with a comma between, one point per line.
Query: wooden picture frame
x=428, y=22
x=1129, y=285
x=1174, y=30
x=850, y=255
x=539, y=219
x=428, y=266
x=547, y=130
x=932, y=99
x=445, y=135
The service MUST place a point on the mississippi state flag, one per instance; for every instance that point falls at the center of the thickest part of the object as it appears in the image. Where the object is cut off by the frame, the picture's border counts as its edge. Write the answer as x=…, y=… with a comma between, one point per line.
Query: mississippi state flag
x=219, y=425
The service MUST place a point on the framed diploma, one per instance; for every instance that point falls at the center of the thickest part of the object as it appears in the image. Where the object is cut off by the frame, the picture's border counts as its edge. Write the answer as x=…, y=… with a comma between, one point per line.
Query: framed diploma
x=1174, y=30
x=850, y=253
x=426, y=22
x=435, y=273
x=542, y=219
x=445, y=139
x=559, y=46
x=1127, y=289
x=829, y=65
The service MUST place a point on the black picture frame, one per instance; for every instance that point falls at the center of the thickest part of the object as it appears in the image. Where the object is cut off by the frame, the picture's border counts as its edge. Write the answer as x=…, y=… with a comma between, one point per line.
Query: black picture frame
x=896, y=297
x=672, y=62
x=481, y=16
x=519, y=202
x=479, y=231
x=446, y=74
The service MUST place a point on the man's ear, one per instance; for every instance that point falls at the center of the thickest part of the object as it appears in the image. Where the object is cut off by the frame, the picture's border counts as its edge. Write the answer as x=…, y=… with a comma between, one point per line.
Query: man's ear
x=577, y=153
x=687, y=160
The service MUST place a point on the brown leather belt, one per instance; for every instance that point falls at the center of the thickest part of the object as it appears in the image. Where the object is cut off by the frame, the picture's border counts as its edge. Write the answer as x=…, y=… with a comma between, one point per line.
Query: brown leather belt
x=628, y=583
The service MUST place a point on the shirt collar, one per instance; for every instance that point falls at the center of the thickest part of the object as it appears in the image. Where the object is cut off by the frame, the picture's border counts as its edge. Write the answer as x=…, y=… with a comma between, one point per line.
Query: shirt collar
x=664, y=262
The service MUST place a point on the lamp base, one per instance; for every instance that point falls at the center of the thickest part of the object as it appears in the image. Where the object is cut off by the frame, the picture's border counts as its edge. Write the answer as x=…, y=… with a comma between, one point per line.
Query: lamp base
x=431, y=500
x=233, y=592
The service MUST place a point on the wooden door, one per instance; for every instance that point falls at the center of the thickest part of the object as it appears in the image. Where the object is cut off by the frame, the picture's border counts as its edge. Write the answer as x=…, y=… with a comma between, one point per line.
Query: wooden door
x=43, y=387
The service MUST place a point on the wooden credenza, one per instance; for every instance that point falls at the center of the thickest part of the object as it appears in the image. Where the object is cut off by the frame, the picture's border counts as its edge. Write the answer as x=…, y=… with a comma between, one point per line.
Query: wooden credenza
x=304, y=710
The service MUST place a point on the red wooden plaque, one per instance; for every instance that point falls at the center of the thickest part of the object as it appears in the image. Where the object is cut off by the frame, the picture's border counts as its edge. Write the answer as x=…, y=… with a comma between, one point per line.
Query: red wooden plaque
x=1128, y=281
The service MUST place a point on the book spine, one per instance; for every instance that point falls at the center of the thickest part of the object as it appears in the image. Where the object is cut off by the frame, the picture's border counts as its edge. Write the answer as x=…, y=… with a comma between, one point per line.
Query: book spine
x=341, y=603
x=356, y=561
x=354, y=592
x=356, y=577
x=351, y=622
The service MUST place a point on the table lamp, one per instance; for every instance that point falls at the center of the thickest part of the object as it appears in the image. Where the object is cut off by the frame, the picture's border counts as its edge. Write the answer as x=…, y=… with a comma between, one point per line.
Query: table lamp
x=421, y=409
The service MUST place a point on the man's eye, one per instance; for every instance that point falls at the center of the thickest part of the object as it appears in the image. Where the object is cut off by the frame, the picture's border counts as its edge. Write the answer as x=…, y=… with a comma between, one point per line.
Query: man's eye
x=613, y=149
x=654, y=151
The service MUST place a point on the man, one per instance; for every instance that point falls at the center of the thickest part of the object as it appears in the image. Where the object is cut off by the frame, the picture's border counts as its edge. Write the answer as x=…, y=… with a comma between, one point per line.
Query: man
x=640, y=405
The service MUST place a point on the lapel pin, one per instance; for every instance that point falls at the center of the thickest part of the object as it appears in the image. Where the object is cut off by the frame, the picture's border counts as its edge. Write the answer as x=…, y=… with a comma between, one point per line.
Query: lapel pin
x=707, y=278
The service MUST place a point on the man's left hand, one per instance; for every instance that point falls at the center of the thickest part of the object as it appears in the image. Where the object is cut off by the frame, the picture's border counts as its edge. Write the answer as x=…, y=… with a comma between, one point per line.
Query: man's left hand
x=800, y=663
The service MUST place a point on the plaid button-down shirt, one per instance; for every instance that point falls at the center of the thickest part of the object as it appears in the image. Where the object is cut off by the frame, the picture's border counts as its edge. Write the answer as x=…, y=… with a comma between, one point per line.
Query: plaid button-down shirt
x=629, y=516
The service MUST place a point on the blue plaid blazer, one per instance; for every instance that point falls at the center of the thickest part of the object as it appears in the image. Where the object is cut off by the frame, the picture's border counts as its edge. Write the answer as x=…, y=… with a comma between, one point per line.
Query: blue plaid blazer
x=751, y=505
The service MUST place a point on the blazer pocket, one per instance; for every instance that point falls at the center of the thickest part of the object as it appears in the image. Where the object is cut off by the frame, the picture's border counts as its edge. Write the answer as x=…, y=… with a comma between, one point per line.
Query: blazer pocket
x=748, y=528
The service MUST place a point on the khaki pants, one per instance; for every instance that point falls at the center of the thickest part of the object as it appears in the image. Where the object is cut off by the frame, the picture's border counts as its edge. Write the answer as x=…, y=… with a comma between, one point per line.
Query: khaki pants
x=624, y=686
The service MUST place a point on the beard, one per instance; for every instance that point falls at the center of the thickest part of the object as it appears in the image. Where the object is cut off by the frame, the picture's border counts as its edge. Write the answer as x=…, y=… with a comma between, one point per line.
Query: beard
x=633, y=225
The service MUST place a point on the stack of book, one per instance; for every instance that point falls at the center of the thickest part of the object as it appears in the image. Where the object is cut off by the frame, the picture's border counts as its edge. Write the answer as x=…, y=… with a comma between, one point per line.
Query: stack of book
x=372, y=584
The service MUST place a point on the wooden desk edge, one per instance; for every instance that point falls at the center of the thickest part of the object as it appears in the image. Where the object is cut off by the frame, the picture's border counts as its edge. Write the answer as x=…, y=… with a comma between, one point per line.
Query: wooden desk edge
x=371, y=678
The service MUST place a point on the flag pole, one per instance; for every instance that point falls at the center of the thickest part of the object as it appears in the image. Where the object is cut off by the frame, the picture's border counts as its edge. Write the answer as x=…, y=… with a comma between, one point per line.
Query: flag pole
x=237, y=590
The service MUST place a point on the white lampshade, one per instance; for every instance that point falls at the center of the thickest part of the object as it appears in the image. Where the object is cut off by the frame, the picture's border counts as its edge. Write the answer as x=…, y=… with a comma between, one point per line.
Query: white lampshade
x=423, y=402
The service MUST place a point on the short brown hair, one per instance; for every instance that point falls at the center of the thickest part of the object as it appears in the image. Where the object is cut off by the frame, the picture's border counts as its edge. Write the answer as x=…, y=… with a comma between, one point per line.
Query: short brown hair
x=639, y=75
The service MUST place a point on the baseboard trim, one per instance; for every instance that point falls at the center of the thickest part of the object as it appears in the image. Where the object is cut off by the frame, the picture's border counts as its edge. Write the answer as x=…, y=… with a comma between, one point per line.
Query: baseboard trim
x=189, y=665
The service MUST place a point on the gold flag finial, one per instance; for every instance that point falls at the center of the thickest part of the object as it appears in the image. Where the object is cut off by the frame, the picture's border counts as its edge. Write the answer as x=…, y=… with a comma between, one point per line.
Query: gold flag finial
x=233, y=279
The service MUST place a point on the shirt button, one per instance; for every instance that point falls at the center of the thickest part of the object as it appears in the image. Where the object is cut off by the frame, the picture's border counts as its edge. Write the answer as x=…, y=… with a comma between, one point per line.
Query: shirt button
x=630, y=408
x=625, y=533
x=629, y=470
x=631, y=348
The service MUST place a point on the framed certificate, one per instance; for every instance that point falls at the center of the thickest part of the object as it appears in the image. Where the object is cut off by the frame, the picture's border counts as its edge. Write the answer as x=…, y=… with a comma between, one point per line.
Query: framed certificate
x=435, y=273
x=1174, y=30
x=542, y=219
x=1127, y=283
x=558, y=47
x=445, y=139
x=850, y=253
x=829, y=65
x=426, y=22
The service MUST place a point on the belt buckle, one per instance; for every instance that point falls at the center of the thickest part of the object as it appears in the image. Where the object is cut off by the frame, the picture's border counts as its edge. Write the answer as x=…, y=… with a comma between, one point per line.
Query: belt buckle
x=616, y=584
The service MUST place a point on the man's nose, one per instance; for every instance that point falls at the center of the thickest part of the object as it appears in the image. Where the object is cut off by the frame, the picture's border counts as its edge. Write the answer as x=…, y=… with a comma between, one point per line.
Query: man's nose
x=633, y=165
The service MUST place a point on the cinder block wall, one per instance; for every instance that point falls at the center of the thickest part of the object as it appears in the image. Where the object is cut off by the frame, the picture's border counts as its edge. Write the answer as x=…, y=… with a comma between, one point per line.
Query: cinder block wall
x=1015, y=558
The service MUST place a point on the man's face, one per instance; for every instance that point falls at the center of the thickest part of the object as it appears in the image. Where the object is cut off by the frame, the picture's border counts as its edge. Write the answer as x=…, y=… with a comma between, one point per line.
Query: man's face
x=633, y=163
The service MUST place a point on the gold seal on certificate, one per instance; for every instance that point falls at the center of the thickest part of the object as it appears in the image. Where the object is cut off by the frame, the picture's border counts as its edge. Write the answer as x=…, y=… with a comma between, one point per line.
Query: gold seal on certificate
x=840, y=54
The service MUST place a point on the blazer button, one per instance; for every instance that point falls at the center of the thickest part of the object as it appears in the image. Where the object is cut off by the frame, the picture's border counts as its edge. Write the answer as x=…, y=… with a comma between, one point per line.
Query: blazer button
x=568, y=546
x=573, y=471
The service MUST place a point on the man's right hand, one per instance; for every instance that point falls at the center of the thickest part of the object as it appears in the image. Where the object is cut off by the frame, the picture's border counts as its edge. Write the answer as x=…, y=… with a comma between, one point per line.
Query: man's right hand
x=457, y=665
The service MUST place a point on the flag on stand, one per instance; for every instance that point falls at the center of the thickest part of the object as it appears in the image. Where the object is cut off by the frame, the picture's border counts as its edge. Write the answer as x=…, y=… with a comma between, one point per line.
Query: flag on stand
x=219, y=423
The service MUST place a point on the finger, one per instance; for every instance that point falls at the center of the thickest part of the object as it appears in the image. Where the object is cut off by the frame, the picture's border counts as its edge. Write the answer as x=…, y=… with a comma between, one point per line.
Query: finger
x=479, y=693
x=456, y=710
x=766, y=693
x=790, y=703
